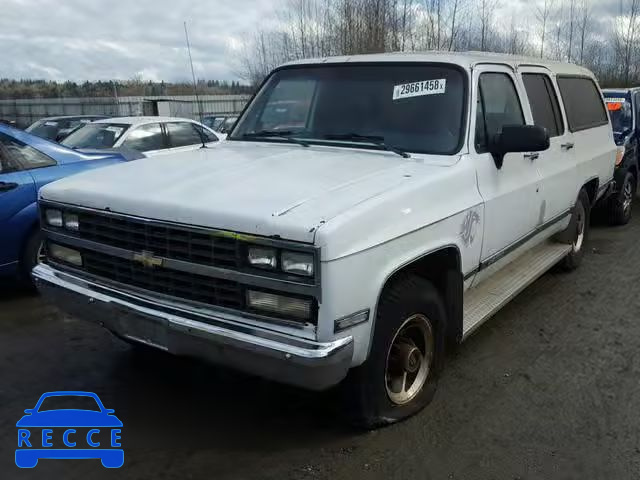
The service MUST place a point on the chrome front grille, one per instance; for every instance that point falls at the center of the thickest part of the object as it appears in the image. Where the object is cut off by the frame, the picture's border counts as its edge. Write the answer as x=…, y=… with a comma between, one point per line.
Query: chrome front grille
x=164, y=241
x=207, y=266
x=212, y=291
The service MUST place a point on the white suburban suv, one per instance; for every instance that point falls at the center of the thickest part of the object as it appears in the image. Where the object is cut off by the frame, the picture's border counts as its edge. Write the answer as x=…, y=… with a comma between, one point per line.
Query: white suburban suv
x=365, y=212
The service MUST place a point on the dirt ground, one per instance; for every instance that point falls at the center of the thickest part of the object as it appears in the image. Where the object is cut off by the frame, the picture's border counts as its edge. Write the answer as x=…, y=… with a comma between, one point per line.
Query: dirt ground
x=547, y=389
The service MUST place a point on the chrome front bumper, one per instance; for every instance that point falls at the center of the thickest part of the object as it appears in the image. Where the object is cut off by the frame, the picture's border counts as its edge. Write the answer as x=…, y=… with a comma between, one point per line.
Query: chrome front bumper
x=182, y=330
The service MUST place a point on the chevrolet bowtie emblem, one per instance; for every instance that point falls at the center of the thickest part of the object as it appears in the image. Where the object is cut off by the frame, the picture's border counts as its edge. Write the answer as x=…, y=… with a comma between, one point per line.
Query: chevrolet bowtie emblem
x=147, y=259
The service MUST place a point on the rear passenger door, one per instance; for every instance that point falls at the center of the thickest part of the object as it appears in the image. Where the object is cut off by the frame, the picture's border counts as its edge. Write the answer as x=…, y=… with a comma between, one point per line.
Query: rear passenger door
x=557, y=165
x=588, y=122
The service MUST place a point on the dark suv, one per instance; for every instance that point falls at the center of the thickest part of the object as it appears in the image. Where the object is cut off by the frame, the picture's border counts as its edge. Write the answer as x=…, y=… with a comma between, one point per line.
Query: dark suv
x=623, y=105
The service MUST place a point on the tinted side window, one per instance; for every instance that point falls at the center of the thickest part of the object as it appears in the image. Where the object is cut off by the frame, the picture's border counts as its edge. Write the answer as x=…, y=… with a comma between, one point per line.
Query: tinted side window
x=27, y=156
x=182, y=134
x=146, y=138
x=500, y=106
x=543, y=102
x=582, y=103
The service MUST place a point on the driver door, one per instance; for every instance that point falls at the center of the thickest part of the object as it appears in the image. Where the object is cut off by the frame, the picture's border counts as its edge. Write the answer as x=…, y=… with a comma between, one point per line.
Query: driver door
x=510, y=192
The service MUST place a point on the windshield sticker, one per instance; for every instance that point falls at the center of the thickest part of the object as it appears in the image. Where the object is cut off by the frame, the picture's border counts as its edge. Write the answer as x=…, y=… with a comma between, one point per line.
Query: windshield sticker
x=116, y=130
x=51, y=124
x=418, y=89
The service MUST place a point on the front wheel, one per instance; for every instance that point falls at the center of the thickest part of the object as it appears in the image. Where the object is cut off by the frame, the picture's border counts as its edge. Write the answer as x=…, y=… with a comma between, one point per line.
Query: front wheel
x=620, y=205
x=400, y=376
x=578, y=230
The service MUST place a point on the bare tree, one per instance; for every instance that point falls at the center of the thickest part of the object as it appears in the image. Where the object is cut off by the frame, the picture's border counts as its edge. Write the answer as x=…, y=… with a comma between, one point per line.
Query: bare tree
x=583, y=27
x=487, y=11
x=542, y=14
x=625, y=36
x=453, y=26
x=311, y=28
x=572, y=12
x=557, y=32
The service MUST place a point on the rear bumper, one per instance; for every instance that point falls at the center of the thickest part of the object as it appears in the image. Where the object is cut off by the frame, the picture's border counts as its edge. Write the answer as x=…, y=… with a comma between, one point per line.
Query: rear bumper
x=192, y=332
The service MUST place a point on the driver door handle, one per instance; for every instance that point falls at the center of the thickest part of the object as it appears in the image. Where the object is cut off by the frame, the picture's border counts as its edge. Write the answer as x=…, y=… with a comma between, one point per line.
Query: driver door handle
x=6, y=186
x=532, y=155
x=567, y=146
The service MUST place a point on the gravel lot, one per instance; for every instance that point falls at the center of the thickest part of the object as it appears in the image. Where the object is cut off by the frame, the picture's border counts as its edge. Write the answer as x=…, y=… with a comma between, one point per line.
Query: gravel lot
x=547, y=389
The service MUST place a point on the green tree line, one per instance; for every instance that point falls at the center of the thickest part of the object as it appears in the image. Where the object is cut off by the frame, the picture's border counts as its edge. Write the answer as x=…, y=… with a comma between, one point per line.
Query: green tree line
x=35, y=88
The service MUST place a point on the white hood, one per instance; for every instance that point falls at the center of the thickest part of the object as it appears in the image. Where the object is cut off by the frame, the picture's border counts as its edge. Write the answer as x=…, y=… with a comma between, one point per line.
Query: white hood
x=255, y=188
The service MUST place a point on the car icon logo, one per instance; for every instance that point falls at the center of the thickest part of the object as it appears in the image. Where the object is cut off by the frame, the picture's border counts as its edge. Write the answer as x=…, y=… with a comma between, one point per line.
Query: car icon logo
x=69, y=433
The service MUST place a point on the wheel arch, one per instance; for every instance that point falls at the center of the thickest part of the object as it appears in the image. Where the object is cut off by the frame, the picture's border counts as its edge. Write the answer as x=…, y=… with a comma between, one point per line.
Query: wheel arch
x=591, y=187
x=442, y=266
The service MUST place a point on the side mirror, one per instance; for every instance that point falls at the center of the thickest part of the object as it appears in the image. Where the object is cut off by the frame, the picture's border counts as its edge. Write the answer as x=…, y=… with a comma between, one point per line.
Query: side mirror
x=29, y=411
x=109, y=411
x=518, y=138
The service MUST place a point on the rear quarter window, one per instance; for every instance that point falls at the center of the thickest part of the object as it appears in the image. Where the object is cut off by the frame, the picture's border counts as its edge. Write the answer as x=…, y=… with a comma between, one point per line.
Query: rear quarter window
x=582, y=103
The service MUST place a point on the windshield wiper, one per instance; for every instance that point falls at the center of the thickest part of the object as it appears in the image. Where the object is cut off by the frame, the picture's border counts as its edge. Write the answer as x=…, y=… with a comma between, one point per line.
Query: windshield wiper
x=284, y=134
x=372, y=139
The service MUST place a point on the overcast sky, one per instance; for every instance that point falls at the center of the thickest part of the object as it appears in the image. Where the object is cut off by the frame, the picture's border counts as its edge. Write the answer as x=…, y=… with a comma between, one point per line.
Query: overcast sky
x=105, y=39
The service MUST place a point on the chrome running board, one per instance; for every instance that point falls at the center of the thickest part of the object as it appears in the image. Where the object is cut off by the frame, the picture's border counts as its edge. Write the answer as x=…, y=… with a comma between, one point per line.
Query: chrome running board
x=483, y=301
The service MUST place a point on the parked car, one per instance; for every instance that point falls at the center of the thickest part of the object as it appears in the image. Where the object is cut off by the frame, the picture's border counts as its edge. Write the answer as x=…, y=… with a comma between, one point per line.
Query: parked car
x=623, y=106
x=57, y=129
x=226, y=126
x=214, y=121
x=27, y=163
x=149, y=135
x=421, y=193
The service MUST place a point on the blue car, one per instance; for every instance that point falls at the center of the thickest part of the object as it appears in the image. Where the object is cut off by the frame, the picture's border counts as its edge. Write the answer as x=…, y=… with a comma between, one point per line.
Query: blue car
x=27, y=163
x=69, y=433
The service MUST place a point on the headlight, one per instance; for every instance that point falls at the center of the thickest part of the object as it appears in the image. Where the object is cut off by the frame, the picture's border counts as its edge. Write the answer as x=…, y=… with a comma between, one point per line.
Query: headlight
x=53, y=217
x=297, y=263
x=71, y=221
x=67, y=255
x=620, y=154
x=280, y=305
x=263, y=257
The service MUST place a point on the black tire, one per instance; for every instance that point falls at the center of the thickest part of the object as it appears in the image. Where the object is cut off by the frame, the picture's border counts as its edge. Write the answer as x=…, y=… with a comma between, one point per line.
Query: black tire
x=367, y=386
x=620, y=205
x=29, y=258
x=578, y=227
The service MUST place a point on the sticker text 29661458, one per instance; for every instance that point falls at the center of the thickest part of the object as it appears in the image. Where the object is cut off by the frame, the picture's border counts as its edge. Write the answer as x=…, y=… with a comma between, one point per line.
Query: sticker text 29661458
x=417, y=89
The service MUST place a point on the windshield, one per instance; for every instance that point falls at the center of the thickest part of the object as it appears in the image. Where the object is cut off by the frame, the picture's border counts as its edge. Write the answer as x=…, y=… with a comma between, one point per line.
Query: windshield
x=96, y=135
x=45, y=129
x=415, y=108
x=619, y=107
x=69, y=402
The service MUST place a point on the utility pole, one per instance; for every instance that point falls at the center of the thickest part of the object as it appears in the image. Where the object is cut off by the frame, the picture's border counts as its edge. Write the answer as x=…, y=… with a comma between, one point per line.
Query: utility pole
x=193, y=73
x=115, y=96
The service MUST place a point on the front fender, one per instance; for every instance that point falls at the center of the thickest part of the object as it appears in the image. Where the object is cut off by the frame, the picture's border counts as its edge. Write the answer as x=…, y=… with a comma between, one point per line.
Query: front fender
x=16, y=230
x=355, y=282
